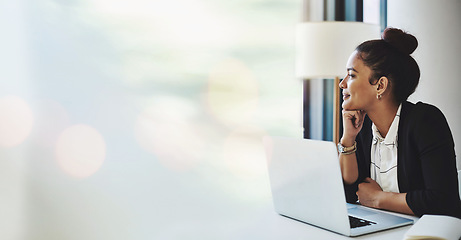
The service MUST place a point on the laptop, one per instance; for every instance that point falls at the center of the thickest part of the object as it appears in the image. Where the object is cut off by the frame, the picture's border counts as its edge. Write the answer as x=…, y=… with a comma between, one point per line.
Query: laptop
x=306, y=184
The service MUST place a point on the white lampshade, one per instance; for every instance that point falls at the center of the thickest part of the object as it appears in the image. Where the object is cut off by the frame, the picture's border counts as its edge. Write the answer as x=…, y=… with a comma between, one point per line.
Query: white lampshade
x=323, y=48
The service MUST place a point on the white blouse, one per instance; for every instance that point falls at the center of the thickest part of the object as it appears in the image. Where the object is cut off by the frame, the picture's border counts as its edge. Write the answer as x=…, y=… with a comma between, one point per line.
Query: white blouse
x=383, y=166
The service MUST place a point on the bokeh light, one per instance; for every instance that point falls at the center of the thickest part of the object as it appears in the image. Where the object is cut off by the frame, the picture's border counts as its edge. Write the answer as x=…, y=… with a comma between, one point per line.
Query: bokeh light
x=16, y=121
x=232, y=95
x=166, y=129
x=80, y=151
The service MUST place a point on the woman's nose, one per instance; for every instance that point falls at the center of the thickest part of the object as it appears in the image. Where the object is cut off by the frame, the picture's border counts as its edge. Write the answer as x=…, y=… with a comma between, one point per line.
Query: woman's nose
x=342, y=84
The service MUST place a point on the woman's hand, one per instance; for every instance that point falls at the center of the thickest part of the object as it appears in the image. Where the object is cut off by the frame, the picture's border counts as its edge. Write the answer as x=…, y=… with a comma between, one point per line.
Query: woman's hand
x=352, y=124
x=369, y=193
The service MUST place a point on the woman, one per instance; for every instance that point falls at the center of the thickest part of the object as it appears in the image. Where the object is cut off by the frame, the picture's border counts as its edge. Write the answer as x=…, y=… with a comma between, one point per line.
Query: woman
x=394, y=155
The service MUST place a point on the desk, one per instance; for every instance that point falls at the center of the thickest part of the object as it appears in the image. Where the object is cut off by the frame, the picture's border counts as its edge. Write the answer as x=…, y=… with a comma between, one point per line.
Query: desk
x=154, y=204
x=274, y=226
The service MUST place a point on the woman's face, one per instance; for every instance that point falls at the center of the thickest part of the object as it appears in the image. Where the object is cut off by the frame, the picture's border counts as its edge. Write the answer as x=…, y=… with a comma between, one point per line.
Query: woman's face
x=358, y=93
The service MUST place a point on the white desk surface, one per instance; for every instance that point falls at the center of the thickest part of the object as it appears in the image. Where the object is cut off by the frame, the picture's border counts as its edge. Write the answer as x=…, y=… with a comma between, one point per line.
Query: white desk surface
x=274, y=226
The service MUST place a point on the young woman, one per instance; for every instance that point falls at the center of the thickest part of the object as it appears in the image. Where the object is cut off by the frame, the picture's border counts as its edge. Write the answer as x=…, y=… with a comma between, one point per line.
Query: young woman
x=394, y=155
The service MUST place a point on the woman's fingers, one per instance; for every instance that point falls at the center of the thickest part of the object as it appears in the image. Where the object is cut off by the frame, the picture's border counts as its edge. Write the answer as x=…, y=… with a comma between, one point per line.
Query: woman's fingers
x=352, y=124
x=359, y=119
x=355, y=117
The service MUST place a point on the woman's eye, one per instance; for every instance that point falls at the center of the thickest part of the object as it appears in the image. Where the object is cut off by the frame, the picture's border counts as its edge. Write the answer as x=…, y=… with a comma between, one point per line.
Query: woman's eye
x=351, y=75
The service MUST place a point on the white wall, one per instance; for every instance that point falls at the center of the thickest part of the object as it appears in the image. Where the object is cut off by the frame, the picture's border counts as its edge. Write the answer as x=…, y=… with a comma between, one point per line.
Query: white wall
x=437, y=26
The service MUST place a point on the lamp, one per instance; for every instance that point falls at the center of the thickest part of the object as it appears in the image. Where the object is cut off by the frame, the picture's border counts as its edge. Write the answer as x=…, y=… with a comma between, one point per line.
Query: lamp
x=322, y=51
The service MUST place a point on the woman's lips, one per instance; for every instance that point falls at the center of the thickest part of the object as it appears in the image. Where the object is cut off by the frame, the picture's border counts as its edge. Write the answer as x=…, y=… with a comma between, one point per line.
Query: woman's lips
x=345, y=96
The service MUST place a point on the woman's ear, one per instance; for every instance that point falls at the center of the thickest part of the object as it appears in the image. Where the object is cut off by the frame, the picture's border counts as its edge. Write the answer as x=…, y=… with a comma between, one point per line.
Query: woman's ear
x=382, y=85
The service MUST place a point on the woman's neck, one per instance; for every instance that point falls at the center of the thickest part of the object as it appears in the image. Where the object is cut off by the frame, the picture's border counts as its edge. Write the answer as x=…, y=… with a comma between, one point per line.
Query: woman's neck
x=383, y=116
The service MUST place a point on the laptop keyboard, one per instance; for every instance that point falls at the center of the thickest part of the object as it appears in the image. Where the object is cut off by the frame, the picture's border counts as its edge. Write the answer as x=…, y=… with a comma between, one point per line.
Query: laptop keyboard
x=358, y=222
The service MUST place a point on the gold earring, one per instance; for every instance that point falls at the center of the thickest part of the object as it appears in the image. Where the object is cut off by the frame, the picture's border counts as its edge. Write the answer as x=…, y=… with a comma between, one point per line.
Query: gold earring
x=379, y=96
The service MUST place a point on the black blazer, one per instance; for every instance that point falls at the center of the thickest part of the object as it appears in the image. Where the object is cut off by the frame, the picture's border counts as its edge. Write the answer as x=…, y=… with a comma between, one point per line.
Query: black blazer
x=426, y=163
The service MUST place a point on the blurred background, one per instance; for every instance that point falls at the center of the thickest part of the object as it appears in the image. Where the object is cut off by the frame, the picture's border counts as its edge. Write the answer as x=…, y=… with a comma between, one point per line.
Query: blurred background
x=141, y=119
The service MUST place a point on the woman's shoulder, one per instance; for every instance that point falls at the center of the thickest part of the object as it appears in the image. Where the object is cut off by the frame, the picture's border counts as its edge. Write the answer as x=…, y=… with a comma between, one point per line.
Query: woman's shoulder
x=422, y=111
x=423, y=117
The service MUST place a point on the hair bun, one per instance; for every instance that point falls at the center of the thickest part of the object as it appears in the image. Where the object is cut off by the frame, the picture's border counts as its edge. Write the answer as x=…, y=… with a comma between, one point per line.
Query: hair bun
x=401, y=40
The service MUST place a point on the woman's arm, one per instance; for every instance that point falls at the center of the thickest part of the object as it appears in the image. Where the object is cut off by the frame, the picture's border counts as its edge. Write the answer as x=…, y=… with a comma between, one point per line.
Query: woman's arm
x=432, y=161
x=396, y=202
x=370, y=194
x=348, y=164
x=352, y=124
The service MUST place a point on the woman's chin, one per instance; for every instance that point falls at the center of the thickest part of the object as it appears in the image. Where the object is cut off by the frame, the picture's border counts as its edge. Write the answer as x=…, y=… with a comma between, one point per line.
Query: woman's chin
x=347, y=107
